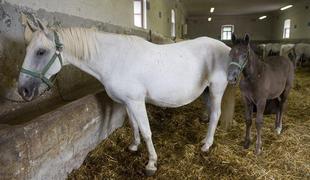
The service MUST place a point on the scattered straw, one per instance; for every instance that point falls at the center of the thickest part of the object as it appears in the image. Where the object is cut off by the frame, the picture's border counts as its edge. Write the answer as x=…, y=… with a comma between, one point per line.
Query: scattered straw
x=177, y=134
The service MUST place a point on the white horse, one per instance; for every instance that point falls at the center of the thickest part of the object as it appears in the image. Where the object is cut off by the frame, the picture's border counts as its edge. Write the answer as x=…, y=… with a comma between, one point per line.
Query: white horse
x=285, y=48
x=133, y=72
x=302, y=51
x=262, y=48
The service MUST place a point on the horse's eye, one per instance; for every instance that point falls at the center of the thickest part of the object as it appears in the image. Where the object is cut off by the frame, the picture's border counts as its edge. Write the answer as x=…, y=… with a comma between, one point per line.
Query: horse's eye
x=41, y=52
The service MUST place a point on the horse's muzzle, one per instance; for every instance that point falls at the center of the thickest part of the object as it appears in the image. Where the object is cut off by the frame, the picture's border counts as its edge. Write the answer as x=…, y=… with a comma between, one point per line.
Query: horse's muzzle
x=29, y=90
x=233, y=75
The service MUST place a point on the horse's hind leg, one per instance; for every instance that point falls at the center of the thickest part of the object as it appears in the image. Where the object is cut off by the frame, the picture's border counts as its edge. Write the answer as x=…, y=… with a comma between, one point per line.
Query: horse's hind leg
x=137, y=111
x=217, y=89
x=136, y=135
x=207, y=110
x=282, y=102
x=248, y=121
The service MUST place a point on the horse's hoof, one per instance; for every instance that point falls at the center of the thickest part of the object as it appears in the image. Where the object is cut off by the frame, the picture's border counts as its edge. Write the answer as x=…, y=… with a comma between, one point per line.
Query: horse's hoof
x=205, y=118
x=205, y=147
x=258, y=151
x=246, y=144
x=133, y=148
x=278, y=130
x=150, y=172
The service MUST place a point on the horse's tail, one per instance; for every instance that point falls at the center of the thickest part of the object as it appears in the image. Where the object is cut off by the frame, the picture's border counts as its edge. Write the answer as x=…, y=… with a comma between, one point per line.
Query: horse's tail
x=228, y=107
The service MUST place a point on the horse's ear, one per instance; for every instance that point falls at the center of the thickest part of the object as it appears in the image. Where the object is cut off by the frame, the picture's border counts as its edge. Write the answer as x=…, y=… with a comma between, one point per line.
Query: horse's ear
x=31, y=26
x=233, y=38
x=42, y=26
x=247, y=39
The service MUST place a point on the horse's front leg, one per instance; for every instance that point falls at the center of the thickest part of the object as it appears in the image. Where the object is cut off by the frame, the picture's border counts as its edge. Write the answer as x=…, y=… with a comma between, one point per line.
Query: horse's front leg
x=297, y=61
x=259, y=124
x=248, y=121
x=136, y=135
x=216, y=93
x=137, y=111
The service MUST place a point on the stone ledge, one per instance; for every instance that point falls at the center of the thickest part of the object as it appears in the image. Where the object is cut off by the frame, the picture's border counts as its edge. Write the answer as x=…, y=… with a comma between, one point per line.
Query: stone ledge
x=60, y=139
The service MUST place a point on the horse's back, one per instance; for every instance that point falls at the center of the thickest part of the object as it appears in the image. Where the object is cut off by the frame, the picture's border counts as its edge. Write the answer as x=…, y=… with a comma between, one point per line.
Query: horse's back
x=183, y=70
x=281, y=67
x=302, y=48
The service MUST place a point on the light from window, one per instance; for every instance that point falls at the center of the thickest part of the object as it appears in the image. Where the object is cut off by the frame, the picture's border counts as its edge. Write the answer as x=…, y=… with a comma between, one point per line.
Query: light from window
x=140, y=13
x=227, y=31
x=172, y=23
x=287, y=29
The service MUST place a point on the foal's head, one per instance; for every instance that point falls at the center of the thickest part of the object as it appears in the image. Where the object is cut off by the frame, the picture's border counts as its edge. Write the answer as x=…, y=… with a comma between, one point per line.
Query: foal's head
x=239, y=54
x=38, y=66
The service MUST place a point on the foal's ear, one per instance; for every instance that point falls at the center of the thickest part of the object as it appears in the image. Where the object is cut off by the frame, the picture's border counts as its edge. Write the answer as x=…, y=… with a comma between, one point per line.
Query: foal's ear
x=233, y=38
x=247, y=39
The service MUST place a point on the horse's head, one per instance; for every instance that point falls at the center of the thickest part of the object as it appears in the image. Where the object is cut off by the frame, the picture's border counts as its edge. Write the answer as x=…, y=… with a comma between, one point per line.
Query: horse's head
x=40, y=61
x=239, y=54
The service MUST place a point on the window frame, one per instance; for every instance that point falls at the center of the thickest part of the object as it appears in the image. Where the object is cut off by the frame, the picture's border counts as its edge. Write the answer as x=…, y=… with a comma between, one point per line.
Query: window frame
x=231, y=32
x=287, y=28
x=142, y=14
x=173, y=23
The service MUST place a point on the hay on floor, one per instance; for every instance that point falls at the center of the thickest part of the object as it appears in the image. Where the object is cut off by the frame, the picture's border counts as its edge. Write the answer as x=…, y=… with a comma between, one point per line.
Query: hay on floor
x=177, y=134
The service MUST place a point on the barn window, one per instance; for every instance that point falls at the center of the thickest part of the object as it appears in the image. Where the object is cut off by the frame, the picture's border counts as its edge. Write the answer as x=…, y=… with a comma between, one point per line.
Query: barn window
x=140, y=13
x=227, y=31
x=287, y=29
x=172, y=23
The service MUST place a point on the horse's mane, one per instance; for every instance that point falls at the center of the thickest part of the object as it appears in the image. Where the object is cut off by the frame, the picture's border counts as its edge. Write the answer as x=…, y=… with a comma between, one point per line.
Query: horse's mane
x=79, y=42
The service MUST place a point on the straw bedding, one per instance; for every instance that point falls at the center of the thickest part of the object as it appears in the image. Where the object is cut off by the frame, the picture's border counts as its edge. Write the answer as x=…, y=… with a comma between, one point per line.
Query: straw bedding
x=177, y=134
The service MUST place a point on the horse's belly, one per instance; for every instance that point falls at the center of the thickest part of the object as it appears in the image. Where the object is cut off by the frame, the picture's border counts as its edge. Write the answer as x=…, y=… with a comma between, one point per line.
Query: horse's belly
x=168, y=96
x=174, y=100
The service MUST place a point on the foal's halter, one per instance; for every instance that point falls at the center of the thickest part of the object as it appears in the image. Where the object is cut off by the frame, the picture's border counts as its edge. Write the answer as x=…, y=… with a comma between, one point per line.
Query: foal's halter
x=57, y=54
x=241, y=66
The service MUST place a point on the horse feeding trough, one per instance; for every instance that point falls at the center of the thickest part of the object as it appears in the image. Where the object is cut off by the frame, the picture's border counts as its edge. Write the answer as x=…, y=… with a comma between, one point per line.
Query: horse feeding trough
x=179, y=75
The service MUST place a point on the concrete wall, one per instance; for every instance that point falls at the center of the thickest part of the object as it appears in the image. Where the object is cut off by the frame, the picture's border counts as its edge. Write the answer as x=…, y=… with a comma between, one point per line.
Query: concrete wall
x=118, y=12
x=52, y=145
x=270, y=29
x=259, y=30
x=159, y=16
x=300, y=22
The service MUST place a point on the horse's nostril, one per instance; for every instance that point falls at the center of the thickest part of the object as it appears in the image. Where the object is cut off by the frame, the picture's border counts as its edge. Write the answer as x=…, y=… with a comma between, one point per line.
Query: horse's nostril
x=25, y=92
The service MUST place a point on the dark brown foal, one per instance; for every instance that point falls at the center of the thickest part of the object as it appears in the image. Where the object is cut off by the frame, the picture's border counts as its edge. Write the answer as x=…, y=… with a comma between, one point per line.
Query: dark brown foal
x=264, y=86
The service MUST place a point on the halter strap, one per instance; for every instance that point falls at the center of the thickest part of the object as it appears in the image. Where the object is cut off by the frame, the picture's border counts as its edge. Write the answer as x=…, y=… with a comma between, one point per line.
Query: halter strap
x=57, y=54
x=241, y=66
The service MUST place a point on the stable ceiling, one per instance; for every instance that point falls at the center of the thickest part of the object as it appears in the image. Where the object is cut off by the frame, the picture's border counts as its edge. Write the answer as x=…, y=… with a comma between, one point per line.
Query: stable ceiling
x=234, y=7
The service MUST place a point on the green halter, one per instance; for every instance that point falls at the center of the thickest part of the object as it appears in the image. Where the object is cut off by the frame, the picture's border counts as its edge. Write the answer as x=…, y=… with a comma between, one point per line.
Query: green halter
x=41, y=75
x=240, y=66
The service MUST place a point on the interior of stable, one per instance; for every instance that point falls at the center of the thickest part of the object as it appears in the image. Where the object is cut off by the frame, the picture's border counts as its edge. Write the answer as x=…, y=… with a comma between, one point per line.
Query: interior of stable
x=163, y=22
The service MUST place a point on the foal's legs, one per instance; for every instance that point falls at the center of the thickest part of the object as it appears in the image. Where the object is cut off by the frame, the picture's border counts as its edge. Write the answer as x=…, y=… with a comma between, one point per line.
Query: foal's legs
x=280, y=112
x=136, y=135
x=216, y=93
x=137, y=111
x=248, y=121
x=259, y=124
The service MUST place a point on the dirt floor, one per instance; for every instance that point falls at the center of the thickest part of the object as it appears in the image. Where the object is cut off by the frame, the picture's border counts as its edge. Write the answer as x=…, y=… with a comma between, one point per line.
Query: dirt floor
x=177, y=134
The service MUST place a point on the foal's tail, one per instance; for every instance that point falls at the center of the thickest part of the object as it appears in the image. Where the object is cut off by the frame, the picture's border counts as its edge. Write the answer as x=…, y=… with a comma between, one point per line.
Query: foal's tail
x=228, y=107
